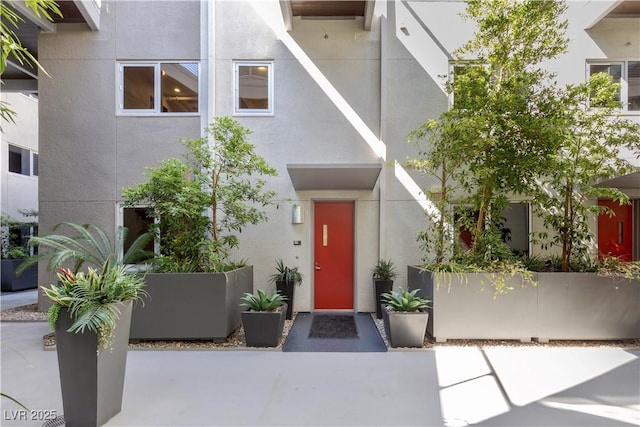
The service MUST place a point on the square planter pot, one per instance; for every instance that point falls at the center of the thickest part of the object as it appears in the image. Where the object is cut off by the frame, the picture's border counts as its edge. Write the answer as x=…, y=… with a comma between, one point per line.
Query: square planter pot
x=11, y=282
x=288, y=290
x=381, y=287
x=405, y=329
x=264, y=328
x=196, y=306
x=92, y=384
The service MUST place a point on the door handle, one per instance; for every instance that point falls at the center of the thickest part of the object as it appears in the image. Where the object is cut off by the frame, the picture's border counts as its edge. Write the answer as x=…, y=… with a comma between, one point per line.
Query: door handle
x=317, y=267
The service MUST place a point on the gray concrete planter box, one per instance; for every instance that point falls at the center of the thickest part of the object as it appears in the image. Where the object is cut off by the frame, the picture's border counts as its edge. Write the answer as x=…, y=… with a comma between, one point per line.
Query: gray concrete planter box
x=264, y=328
x=92, y=384
x=11, y=282
x=587, y=306
x=405, y=329
x=466, y=307
x=196, y=306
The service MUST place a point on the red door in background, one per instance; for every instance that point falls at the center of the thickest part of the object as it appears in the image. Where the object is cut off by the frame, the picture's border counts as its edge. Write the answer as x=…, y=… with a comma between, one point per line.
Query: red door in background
x=333, y=251
x=615, y=234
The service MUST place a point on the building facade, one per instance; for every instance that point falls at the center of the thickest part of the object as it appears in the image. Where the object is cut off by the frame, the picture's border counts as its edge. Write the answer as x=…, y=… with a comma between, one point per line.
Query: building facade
x=330, y=94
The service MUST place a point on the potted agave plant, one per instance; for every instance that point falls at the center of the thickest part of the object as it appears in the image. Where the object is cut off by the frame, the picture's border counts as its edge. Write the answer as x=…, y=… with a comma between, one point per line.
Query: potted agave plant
x=286, y=278
x=405, y=318
x=263, y=322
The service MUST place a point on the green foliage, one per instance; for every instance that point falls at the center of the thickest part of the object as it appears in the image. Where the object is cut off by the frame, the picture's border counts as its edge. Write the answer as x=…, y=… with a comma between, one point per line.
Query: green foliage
x=89, y=244
x=263, y=302
x=12, y=234
x=612, y=266
x=12, y=48
x=592, y=140
x=499, y=137
x=216, y=191
x=402, y=300
x=385, y=269
x=285, y=274
x=90, y=298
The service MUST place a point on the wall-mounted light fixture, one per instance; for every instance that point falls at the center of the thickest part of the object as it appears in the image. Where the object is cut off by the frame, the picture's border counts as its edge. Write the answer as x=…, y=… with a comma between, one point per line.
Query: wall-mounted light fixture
x=404, y=30
x=297, y=214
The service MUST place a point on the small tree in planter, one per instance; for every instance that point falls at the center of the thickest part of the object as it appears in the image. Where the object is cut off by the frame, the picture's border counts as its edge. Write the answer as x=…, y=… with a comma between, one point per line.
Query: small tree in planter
x=593, y=136
x=498, y=137
x=286, y=278
x=14, y=251
x=199, y=203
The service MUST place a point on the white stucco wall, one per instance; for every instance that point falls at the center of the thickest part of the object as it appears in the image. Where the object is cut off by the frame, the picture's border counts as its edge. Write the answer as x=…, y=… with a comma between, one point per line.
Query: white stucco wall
x=19, y=192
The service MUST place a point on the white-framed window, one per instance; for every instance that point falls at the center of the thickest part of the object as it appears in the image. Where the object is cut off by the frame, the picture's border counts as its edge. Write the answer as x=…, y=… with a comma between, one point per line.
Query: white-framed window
x=473, y=71
x=158, y=88
x=627, y=74
x=253, y=88
x=22, y=161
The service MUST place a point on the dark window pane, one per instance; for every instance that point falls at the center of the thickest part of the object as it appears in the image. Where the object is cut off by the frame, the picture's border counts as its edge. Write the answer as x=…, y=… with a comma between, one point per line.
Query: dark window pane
x=35, y=164
x=19, y=161
x=180, y=87
x=633, y=83
x=137, y=221
x=138, y=88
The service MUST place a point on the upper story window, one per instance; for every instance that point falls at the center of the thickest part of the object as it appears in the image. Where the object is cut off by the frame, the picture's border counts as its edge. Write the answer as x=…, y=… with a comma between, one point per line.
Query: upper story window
x=467, y=85
x=625, y=73
x=253, y=88
x=20, y=161
x=150, y=88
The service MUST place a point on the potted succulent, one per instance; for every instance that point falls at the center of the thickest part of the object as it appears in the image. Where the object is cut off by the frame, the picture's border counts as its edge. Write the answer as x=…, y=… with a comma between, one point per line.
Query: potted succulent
x=91, y=315
x=405, y=318
x=383, y=274
x=286, y=278
x=263, y=322
x=200, y=203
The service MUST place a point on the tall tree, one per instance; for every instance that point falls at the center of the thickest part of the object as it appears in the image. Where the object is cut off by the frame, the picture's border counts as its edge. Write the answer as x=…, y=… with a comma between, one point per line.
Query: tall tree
x=499, y=136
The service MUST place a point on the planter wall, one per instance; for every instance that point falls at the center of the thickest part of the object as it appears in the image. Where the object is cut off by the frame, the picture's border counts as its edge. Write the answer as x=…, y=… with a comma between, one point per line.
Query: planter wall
x=464, y=307
x=587, y=306
x=563, y=306
x=193, y=306
x=91, y=384
x=264, y=328
x=12, y=282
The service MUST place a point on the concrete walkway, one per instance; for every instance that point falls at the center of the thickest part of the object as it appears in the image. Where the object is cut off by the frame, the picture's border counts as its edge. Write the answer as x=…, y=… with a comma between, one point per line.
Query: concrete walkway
x=445, y=386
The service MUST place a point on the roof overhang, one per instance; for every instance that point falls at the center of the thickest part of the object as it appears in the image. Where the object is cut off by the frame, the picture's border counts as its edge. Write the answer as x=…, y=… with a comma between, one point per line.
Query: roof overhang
x=19, y=77
x=327, y=9
x=341, y=176
x=626, y=182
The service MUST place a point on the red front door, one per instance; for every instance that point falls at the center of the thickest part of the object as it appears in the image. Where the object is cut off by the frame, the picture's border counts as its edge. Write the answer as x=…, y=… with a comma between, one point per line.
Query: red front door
x=615, y=233
x=333, y=251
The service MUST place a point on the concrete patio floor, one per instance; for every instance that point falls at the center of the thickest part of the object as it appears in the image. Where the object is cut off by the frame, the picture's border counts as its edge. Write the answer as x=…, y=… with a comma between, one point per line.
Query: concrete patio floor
x=443, y=386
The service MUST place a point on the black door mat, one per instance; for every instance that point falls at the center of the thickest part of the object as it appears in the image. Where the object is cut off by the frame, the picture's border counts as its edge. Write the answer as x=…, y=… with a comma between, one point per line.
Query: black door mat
x=333, y=326
x=368, y=339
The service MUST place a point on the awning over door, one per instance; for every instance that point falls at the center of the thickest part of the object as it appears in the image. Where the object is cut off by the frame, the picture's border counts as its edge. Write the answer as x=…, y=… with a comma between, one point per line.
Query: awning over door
x=331, y=176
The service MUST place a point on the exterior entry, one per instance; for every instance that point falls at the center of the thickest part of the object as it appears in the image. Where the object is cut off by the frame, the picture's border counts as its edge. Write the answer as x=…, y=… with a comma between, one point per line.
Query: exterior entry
x=333, y=255
x=615, y=233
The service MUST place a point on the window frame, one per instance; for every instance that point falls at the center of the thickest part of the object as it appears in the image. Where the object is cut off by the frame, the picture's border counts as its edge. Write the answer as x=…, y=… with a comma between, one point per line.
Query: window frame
x=24, y=153
x=237, y=111
x=624, y=80
x=157, y=89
